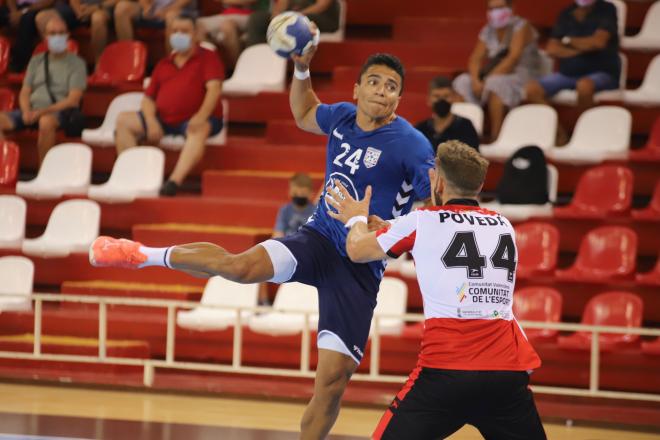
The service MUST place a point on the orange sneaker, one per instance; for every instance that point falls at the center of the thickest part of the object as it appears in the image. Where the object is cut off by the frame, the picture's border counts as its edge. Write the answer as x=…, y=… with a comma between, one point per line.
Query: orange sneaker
x=116, y=252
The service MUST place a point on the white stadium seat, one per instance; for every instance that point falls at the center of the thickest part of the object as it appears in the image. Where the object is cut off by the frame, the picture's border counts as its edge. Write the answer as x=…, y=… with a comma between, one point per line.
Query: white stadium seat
x=470, y=111
x=72, y=227
x=520, y=213
x=648, y=92
x=621, y=15
x=392, y=299
x=601, y=133
x=17, y=274
x=258, y=69
x=531, y=124
x=12, y=221
x=569, y=97
x=648, y=37
x=104, y=136
x=220, y=292
x=283, y=320
x=138, y=172
x=337, y=35
x=67, y=169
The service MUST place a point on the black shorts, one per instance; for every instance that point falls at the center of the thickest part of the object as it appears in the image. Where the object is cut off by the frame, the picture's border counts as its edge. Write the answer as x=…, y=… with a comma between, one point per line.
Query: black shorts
x=436, y=403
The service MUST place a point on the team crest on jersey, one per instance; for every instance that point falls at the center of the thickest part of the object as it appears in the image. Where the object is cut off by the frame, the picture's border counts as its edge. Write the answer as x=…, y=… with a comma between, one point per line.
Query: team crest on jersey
x=371, y=157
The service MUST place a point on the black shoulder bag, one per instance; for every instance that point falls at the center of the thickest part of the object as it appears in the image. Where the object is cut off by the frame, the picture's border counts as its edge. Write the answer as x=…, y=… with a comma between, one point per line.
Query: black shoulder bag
x=499, y=56
x=73, y=121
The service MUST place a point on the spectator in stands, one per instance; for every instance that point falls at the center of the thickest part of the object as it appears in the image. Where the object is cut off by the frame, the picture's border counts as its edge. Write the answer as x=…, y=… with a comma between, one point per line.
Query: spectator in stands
x=52, y=90
x=443, y=125
x=156, y=14
x=325, y=13
x=504, y=59
x=292, y=215
x=586, y=43
x=226, y=28
x=96, y=14
x=183, y=98
x=22, y=16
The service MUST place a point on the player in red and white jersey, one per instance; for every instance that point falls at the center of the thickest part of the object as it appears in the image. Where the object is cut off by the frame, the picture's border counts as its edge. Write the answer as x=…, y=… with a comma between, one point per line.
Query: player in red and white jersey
x=475, y=360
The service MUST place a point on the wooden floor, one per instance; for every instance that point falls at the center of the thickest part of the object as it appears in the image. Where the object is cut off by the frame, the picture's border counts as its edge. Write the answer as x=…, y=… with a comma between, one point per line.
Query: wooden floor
x=47, y=410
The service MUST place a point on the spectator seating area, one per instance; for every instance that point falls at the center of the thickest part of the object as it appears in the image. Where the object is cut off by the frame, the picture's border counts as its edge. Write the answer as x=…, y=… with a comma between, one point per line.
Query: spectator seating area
x=584, y=259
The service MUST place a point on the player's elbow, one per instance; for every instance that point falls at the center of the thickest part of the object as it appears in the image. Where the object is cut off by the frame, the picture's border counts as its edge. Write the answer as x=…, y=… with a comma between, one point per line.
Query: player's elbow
x=356, y=252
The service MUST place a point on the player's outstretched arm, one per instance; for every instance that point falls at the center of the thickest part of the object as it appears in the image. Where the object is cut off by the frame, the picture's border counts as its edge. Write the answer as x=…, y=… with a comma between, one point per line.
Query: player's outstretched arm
x=198, y=259
x=302, y=99
x=361, y=243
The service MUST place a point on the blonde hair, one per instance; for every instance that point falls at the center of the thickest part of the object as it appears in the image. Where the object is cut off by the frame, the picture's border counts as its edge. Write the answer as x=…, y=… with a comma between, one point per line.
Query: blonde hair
x=462, y=166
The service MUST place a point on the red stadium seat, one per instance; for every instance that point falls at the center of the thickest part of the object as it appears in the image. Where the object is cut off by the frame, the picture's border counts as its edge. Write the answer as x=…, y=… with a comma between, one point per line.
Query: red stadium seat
x=605, y=254
x=651, y=278
x=413, y=331
x=122, y=61
x=9, y=155
x=5, y=47
x=652, y=211
x=601, y=192
x=651, y=150
x=7, y=99
x=651, y=347
x=538, y=304
x=17, y=78
x=621, y=309
x=538, y=245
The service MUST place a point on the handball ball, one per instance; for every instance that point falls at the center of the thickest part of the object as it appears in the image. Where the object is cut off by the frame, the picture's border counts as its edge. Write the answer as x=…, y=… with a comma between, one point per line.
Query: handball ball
x=289, y=33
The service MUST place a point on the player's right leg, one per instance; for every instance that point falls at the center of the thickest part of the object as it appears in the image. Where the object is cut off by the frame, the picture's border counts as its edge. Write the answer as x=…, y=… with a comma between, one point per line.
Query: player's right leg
x=251, y=266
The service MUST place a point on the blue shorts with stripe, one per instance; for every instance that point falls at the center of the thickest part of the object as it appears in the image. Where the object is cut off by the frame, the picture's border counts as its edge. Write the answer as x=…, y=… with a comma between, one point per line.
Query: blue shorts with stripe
x=347, y=291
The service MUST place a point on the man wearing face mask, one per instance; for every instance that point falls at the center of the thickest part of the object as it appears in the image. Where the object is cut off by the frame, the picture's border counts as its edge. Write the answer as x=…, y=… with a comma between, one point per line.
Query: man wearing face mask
x=53, y=87
x=183, y=98
x=585, y=41
x=443, y=125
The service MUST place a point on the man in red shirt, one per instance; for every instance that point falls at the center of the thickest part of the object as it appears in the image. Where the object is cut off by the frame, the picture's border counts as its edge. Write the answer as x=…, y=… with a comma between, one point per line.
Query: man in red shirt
x=183, y=98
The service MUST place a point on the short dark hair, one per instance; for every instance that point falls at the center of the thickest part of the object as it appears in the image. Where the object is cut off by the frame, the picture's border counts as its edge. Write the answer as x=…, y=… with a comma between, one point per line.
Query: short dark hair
x=440, y=82
x=384, y=59
x=187, y=16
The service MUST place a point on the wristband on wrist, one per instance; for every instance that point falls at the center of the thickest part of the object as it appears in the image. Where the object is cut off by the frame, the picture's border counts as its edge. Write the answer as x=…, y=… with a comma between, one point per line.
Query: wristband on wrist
x=301, y=75
x=357, y=219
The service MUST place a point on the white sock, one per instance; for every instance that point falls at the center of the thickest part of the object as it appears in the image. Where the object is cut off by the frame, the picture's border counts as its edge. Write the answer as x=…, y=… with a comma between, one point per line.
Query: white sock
x=156, y=256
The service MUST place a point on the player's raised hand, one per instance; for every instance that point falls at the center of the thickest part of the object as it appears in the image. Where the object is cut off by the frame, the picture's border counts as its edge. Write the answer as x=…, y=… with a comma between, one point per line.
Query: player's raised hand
x=302, y=61
x=347, y=207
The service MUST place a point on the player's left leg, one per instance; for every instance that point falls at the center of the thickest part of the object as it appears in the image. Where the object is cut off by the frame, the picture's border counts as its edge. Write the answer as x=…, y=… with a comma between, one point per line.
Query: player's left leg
x=507, y=409
x=333, y=372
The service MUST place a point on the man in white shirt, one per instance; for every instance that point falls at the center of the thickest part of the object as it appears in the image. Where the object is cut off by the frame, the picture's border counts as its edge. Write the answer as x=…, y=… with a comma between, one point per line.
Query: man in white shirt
x=474, y=359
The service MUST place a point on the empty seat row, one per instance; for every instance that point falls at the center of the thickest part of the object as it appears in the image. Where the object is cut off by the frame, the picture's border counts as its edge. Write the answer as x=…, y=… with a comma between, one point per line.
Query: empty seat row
x=292, y=301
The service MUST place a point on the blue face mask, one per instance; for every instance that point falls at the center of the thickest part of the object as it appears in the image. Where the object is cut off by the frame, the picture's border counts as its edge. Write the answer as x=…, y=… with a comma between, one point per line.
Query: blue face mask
x=57, y=43
x=180, y=41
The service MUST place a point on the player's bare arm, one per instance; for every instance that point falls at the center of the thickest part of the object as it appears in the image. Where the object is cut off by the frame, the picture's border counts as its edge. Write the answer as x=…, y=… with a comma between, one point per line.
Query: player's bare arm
x=361, y=243
x=302, y=99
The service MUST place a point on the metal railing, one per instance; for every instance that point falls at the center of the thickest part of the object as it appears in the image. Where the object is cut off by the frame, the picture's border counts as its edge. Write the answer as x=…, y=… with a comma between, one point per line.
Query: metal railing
x=374, y=375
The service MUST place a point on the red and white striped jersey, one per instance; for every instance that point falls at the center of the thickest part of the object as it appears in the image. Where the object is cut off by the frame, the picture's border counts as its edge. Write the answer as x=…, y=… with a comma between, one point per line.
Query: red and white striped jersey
x=465, y=258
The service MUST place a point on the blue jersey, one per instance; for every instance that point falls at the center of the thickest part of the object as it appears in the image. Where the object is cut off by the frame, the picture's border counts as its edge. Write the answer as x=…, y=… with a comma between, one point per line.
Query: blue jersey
x=394, y=159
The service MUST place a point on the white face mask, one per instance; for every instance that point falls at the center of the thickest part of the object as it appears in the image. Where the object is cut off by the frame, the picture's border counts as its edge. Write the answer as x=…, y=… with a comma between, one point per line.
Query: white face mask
x=57, y=43
x=500, y=17
x=180, y=41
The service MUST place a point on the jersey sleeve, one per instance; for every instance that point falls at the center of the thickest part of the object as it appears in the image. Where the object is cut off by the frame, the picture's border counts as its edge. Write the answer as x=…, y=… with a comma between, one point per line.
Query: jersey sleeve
x=327, y=115
x=418, y=163
x=399, y=238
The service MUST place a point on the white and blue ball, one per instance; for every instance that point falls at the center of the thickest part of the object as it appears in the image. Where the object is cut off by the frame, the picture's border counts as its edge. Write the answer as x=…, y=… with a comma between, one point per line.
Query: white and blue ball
x=288, y=33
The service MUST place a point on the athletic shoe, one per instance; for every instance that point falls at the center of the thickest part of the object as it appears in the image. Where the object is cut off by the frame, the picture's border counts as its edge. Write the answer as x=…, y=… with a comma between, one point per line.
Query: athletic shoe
x=116, y=252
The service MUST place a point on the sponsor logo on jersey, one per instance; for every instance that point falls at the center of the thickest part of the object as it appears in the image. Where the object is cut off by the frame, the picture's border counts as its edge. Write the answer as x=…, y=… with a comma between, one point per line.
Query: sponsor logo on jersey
x=460, y=291
x=337, y=134
x=371, y=157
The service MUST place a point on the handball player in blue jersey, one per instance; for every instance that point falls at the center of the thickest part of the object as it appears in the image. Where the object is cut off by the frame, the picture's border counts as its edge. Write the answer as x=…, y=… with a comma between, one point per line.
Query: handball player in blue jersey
x=368, y=146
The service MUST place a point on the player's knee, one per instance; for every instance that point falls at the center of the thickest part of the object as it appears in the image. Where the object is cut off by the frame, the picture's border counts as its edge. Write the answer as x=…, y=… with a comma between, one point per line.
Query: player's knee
x=332, y=383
